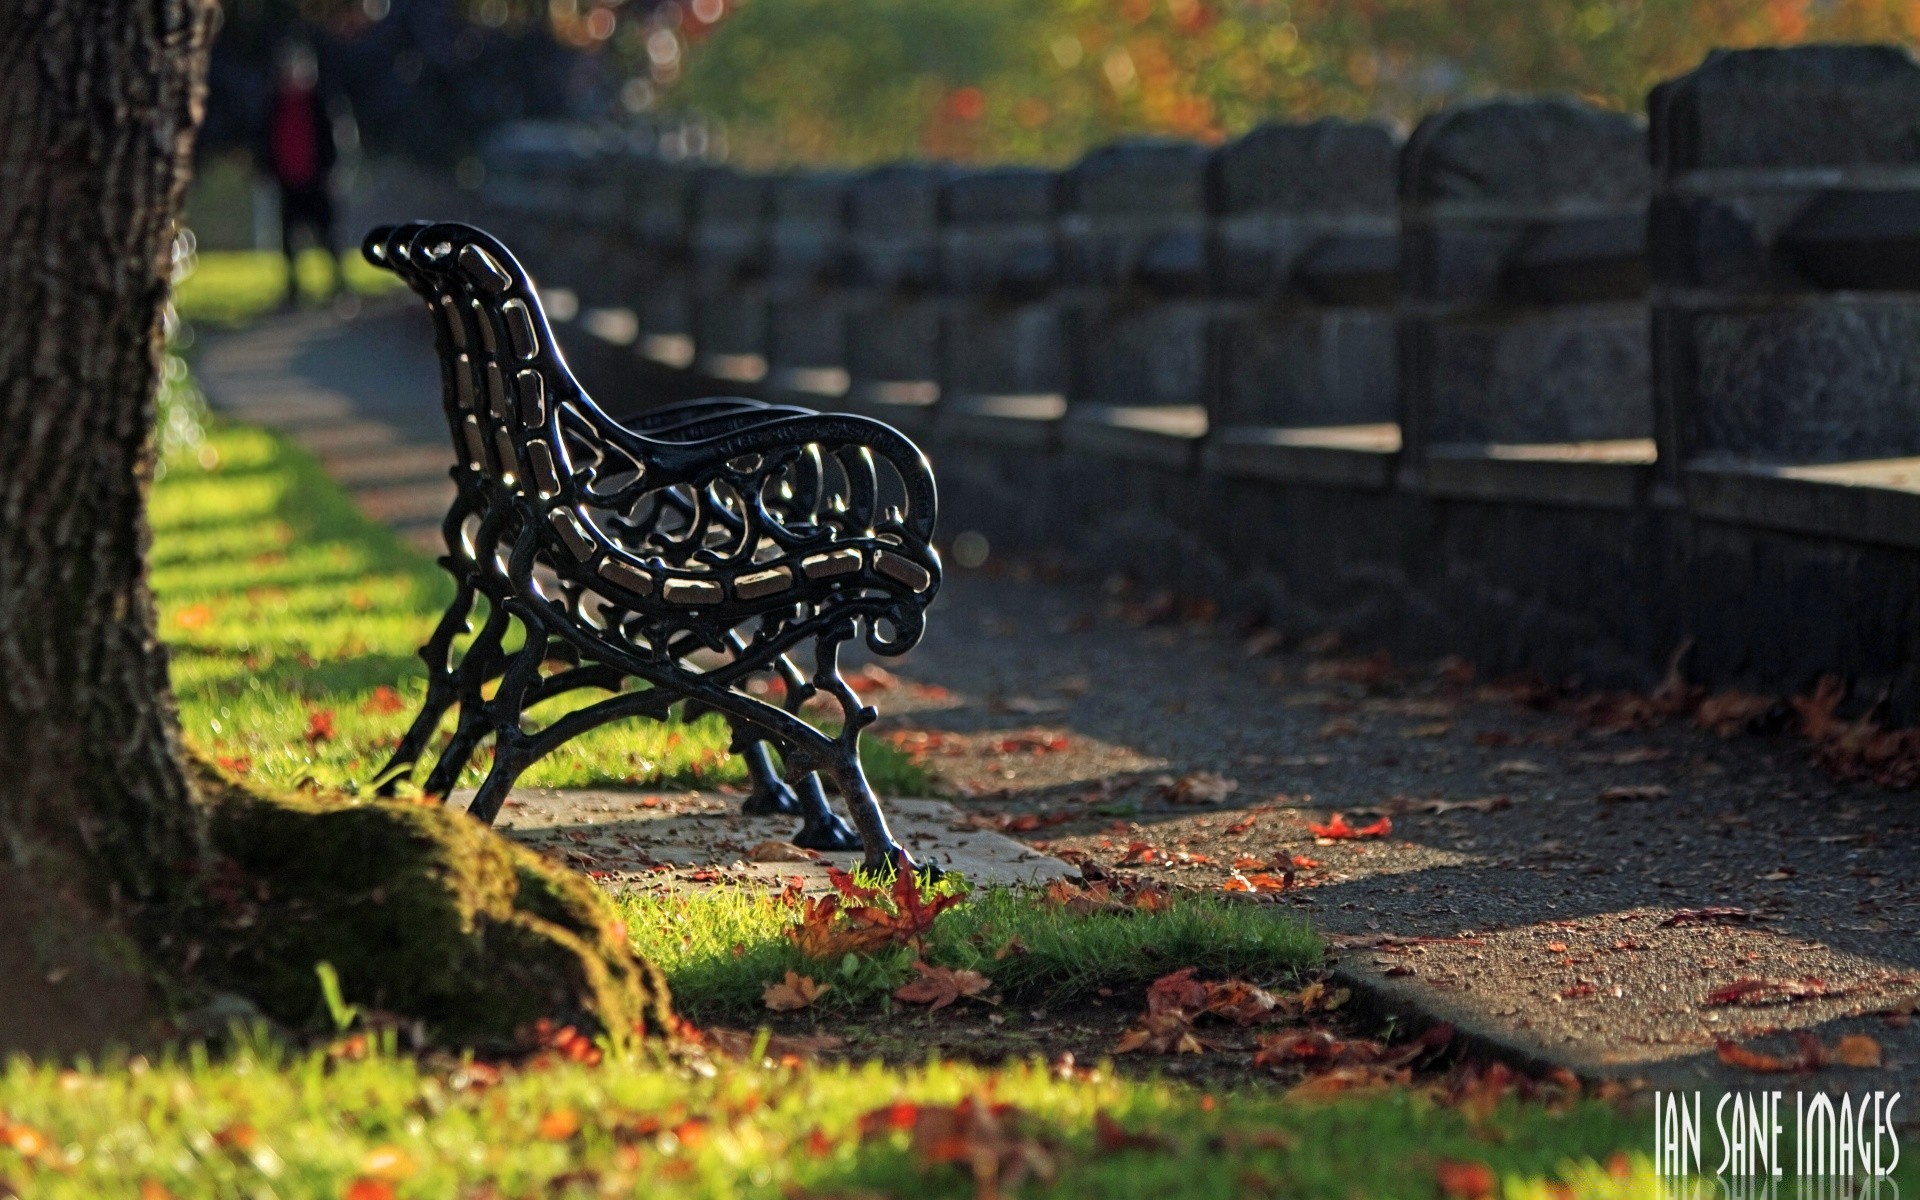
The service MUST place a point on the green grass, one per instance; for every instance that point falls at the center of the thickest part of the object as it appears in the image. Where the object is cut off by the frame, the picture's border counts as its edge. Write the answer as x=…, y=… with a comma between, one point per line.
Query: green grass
x=233, y=287
x=266, y=1122
x=720, y=948
x=283, y=606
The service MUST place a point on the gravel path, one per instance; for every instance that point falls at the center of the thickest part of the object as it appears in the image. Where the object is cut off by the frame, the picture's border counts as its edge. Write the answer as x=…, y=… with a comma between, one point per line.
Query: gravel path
x=1550, y=880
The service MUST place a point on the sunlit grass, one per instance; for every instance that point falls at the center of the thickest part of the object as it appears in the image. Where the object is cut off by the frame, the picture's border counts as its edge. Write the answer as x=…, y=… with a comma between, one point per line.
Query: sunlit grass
x=721, y=947
x=268, y=1122
x=233, y=287
x=294, y=623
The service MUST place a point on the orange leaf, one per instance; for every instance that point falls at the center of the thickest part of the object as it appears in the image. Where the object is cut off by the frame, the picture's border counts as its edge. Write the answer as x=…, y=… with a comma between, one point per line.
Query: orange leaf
x=1857, y=1050
x=559, y=1125
x=1464, y=1180
x=793, y=993
x=319, y=726
x=151, y=1189
x=194, y=616
x=364, y=1188
x=1338, y=829
x=383, y=703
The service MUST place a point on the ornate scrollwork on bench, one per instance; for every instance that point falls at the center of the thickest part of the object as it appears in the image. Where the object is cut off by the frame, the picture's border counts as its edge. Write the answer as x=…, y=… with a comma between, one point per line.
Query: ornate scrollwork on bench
x=689, y=552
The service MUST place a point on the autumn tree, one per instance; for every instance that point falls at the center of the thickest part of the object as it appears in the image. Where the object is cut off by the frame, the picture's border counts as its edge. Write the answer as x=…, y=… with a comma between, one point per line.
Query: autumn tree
x=854, y=81
x=107, y=829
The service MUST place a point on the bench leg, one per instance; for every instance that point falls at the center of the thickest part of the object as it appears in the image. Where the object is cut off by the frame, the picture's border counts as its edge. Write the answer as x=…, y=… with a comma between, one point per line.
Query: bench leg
x=443, y=690
x=822, y=828
x=771, y=797
x=883, y=856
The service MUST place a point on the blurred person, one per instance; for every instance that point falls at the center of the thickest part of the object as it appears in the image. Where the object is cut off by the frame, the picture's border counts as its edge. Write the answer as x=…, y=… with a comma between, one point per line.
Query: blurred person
x=300, y=152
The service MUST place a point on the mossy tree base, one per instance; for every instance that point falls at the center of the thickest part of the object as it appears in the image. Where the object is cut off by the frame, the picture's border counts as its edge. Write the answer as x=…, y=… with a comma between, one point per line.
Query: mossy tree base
x=423, y=912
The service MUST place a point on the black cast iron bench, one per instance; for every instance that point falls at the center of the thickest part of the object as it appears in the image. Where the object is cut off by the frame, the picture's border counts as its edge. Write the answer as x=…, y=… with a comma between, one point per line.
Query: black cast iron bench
x=690, y=551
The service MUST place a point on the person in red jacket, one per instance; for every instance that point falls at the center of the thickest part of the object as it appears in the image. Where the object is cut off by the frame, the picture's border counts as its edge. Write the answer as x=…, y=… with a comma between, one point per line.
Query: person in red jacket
x=300, y=155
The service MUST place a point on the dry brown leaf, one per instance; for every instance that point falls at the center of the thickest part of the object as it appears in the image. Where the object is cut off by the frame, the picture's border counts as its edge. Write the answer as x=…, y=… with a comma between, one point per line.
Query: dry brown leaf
x=773, y=850
x=1856, y=1050
x=1201, y=787
x=1477, y=804
x=1729, y=713
x=794, y=993
x=938, y=987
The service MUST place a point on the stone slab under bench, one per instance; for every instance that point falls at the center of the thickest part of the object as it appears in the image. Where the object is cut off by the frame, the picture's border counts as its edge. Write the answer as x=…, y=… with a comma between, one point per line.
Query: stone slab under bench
x=627, y=839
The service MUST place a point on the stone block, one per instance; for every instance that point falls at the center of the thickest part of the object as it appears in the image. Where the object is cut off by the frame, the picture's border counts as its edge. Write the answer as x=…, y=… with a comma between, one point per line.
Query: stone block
x=1283, y=190
x=1302, y=366
x=893, y=222
x=1790, y=109
x=999, y=232
x=1143, y=354
x=808, y=238
x=807, y=330
x=1541, y=155
x=1005, y=348
x=728, y=239
x=1544, y=376
x=1137, y=215
x=893, y=339
x=1818, y=380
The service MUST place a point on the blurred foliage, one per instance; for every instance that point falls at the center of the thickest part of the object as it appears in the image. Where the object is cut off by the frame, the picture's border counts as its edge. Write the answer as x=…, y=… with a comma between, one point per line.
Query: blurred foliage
x=855, y=81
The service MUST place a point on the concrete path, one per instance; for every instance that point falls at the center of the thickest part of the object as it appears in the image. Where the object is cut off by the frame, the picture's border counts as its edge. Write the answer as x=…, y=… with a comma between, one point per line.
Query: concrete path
x=675, y=840
x=361, y=395
x=1564, y=885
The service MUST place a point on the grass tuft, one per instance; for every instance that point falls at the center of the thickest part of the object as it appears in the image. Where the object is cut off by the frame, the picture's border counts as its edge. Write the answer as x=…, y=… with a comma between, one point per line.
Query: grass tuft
x=720, y=948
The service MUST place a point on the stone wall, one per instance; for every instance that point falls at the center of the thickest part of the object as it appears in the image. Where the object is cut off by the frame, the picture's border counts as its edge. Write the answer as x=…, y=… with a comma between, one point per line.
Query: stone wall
x=1545, y=385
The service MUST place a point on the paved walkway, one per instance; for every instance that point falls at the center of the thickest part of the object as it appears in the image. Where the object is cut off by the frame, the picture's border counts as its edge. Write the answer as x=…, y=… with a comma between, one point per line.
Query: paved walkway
x=1559, y=886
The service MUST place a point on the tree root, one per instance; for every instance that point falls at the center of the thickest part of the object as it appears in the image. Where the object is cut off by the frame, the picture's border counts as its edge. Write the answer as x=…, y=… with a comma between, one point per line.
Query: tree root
x=424, y=913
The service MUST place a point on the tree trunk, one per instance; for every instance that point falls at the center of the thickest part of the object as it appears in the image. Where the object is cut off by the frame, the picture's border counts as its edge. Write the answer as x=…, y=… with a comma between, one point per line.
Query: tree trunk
x=425, y=912
x=99, y=102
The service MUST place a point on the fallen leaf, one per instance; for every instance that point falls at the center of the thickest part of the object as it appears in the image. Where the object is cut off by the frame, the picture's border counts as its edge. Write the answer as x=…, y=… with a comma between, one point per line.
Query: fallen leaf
x=1729, y=713
x=1339, y=830
x=559, y=1124
x=794, y=993
x=773, y=850
x=1645, y=791
x=384, y=702
x=1032, y=743
x=1464, y=1180
x=1161, y=1033
x=319, y=726
x=363, y=1188
x=1734, y=1055
x=1483, y=804
x=941, y=986
x=1712, y=915
x=1431, y=730
x=194, y=616
x=1259, y=881
x=1112, y=1137
x=1338, y=727
x=1856, y=1050
x=986, y=1138
x=1201, y=787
